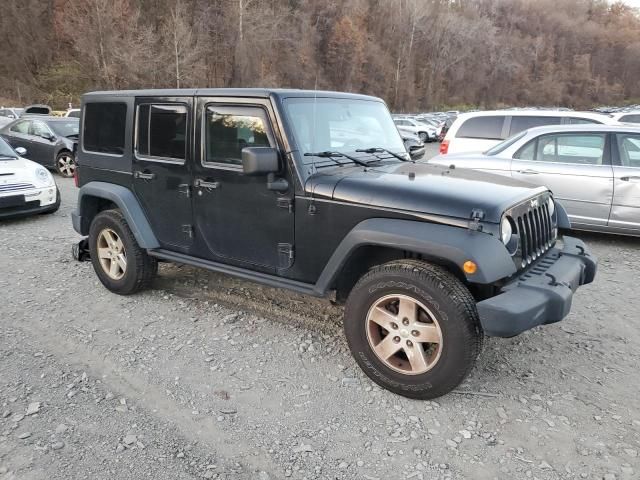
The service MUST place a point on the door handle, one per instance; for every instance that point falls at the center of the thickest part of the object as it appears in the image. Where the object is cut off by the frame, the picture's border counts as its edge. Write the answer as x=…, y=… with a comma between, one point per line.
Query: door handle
x=630, y=179
x=528, y=172
x=144, y=176
x=199, y=183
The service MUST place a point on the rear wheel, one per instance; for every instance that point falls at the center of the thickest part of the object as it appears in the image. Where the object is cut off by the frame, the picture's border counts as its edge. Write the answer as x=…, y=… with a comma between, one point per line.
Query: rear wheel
x=65, y=164
x=413, y=328
x=121, y=265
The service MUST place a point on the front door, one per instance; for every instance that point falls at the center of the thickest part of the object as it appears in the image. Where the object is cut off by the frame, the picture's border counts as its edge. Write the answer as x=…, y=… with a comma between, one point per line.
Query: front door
x=239, y=220
x=162, y=168
x=625, y=211
x=41, y=143
x=576, y=167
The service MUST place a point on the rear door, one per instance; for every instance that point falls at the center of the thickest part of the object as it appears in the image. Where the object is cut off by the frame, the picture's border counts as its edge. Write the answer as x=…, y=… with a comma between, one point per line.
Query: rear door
x=162, y=168
x=577, y=169
x=625, y=211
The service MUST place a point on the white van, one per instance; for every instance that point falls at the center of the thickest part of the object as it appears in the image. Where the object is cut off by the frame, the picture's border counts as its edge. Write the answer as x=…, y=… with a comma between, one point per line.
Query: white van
x=479, y=131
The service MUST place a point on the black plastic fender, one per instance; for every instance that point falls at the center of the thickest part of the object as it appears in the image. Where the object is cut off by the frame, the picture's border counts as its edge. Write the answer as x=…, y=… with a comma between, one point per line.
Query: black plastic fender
x=562, y=217
x=455, y=245
x=126, y=202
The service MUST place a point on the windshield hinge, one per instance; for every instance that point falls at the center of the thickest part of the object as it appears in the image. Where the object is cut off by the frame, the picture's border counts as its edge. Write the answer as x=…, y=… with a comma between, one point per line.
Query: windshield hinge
x=286, y=203
x=477, y=216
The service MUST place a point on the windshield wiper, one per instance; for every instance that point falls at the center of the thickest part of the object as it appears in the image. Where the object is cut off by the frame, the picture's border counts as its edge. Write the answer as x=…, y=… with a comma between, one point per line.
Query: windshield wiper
x=333, y=155
x=383, y=150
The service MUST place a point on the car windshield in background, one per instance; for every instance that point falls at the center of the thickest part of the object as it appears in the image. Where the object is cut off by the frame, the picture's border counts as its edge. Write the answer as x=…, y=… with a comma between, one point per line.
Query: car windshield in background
x=6, y=151
x=505, y=144
x=341, y=125
x=65, y=128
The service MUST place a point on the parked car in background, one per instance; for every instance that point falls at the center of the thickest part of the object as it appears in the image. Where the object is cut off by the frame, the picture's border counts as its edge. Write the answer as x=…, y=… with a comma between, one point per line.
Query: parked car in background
x=413, y=144
x=49, y=141
x=479, y=131
x=73, y=112
x=25, y=187
x=4, y=121
x=626, y=117
x=11, y=112
x=427, y=133
x=593, y=170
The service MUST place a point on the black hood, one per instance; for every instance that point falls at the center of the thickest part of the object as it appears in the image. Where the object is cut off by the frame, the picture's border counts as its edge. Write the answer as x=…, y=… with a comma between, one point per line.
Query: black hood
x=423, y=188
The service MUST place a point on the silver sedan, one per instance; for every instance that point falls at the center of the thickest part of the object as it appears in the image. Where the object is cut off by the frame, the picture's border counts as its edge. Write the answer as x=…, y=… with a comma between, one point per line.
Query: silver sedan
x=593, y=170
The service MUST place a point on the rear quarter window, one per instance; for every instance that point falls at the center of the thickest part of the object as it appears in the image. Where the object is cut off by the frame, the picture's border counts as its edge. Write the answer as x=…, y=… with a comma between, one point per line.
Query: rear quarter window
x=104, y=127
x=482, y=127
x=520, y=123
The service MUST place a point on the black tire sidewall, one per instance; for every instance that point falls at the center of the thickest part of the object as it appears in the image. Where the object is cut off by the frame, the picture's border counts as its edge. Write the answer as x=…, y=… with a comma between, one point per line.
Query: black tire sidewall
x=459, y=337
x=114, y=221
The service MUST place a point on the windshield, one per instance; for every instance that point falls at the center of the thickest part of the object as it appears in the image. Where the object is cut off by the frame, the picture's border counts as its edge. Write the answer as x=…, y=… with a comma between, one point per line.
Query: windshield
x=65, y=128
x=6, y=150
x=496, y=149
x=341, y=125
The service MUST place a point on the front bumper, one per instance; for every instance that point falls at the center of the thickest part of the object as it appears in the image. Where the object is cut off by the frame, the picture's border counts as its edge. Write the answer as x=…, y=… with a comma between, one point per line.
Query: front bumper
x=542, y=294
x=29, y=202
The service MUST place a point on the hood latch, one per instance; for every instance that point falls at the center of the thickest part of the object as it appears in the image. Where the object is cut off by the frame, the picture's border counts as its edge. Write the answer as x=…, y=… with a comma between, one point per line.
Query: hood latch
x=477, y=216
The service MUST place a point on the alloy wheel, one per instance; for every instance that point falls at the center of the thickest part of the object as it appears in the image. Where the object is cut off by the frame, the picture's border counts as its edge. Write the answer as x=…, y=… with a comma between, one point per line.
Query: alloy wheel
x=66, y=165
x=111, y=254
x=404, y=334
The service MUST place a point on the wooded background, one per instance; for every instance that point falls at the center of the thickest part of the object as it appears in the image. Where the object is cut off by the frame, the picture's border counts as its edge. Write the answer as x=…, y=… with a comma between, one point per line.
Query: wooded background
x=416, y=54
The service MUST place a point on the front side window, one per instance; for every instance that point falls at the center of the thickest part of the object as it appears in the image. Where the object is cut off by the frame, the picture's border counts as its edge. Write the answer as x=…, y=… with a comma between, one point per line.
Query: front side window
x=587, y=149
x=228, y=130
x=629, y=149
x=341, y=124
x=630, y=118
x=39, y=129
x=524, y=122
x=162, y=131
x=489, y=128
x=65, y=128
x=21, y=127
x=104, y=127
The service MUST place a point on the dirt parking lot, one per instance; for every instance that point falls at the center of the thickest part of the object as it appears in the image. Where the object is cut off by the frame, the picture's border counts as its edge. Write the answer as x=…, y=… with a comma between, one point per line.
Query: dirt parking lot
x=205, y=376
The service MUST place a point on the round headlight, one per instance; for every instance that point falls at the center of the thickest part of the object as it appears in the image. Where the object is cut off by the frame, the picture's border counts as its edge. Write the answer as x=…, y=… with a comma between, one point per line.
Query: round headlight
x=505, y=230
x=43, y=175
x=552, y=206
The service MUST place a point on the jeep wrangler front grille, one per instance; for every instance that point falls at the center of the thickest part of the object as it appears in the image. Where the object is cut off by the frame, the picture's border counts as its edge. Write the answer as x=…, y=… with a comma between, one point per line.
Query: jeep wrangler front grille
x=535, y=228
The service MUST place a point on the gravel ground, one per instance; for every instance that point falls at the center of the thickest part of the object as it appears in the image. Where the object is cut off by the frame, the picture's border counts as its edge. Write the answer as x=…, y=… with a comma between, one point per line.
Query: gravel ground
x=205, y=376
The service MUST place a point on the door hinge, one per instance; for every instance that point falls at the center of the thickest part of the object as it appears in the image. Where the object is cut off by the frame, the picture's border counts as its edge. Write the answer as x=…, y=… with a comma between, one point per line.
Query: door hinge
x=188, y=230
x=287, y=203
x=285, y=255
x=184, y=189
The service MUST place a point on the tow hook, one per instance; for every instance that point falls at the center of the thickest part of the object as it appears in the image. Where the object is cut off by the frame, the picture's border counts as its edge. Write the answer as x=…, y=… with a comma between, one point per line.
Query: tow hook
x=80, y=251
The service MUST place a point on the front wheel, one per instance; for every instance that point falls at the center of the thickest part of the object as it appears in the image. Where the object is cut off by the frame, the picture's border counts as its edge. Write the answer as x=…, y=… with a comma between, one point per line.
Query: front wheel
x=413, y=328
x=121, y=265
x=423, y=137
x=65, y=164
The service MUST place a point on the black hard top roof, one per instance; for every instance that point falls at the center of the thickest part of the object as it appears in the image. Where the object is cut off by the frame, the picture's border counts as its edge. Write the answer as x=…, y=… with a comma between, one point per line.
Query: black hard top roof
x=228, y=92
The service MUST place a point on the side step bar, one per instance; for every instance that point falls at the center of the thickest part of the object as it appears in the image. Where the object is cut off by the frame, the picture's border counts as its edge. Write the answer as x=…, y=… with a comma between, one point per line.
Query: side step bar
x=264, y=278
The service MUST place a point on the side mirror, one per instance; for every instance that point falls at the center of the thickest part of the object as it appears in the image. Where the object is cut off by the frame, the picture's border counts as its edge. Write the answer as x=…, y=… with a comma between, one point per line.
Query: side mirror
x=259, y=160
x=21, y=151
x=416, y=149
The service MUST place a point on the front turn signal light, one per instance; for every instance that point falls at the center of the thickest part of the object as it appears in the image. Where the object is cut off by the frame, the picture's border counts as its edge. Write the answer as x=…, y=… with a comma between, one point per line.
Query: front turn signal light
x=469, y=267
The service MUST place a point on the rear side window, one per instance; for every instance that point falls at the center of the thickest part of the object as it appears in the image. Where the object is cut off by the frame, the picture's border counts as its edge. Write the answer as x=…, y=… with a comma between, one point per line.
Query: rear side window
x=630, y=118
x=482, y=127
x=104, y=127
x=520, y=123
x=584, y=149
x=161, y=132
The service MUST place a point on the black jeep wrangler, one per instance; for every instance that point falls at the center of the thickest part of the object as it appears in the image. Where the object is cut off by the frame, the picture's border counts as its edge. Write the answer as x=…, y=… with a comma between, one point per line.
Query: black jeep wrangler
x=315, y=192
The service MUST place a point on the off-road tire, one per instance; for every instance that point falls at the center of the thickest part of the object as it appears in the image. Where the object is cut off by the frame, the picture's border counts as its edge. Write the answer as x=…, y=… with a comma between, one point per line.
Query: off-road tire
x=141, y=268
x=451, y=304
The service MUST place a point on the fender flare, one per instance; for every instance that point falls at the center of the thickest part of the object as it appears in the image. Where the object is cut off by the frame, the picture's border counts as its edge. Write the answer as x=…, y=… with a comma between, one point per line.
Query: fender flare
x=453, y=244
x=126, y=202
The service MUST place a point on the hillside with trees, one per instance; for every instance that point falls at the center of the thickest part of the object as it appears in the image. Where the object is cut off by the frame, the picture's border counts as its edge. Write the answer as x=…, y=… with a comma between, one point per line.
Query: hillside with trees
x=416, y=54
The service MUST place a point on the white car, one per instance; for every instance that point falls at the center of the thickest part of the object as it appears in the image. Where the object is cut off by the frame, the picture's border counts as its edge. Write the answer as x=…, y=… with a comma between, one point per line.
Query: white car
x=26, y=187
x=626, y=117
x=479, y=131
x=427, y=133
